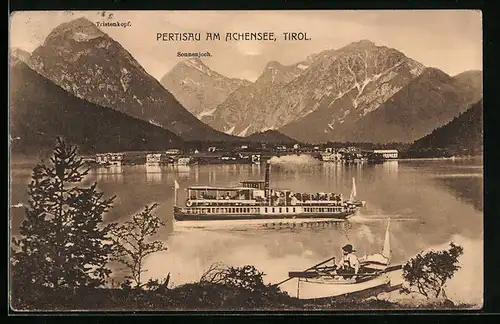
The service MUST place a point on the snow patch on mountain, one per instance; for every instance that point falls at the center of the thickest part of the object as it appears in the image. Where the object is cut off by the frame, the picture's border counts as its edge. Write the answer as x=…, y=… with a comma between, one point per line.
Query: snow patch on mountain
x=302, y=66
x=243, y=133
x=190, y=81
x=267, y=128
x=206, y=113
x=137, y=99
x=151, y=121
x=230, y=130
x=416, y=71
x=83, y=37
x=273, y=73
x=125, y=79
x=197, y=64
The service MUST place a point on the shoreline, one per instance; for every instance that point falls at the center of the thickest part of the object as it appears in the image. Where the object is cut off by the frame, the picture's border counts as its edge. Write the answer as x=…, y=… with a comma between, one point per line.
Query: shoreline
x=440, y=158
x=31, y=162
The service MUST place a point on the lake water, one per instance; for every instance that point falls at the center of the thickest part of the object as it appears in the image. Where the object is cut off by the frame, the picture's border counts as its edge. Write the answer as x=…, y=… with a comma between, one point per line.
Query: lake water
x=430, y=203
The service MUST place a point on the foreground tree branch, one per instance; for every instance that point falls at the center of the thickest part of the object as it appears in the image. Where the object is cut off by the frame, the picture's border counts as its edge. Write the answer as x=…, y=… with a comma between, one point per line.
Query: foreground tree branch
x=132, y=242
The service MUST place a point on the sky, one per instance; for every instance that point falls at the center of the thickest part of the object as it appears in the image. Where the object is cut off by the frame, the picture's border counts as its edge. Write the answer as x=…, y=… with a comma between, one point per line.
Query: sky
x=450, y=40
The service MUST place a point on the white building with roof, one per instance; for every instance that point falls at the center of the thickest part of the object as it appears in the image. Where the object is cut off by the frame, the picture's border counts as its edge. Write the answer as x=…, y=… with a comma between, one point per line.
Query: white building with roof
x=388, y=154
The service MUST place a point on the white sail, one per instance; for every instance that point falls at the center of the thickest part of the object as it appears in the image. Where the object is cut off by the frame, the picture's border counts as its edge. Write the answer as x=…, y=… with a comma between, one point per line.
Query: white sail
x=353, y=190
x=176, y=187
x=386, y=252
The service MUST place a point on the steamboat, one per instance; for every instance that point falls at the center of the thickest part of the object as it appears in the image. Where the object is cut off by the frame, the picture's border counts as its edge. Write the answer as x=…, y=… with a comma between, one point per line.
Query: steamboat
x=254, y=199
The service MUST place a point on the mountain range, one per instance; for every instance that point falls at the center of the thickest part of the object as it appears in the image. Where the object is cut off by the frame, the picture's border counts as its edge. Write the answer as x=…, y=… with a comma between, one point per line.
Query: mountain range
x=199, y=89
x=425, y=103
x=251, y=109
x=361, y=92
x=86, y=62
x=40, y=111
x=358, y=93
x=343, y=84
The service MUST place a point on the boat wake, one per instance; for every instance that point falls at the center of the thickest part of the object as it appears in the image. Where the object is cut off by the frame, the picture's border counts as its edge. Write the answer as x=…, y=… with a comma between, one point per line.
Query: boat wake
x=380, y=218
x=182, y=226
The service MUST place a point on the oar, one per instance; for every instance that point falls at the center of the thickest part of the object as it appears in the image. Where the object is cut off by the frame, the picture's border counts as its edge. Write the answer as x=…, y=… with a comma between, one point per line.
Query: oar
x=393, y=268
x=317, y=265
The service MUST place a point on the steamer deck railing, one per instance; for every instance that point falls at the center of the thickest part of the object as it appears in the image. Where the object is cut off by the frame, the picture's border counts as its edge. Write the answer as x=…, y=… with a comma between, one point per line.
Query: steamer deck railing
x=256, y=200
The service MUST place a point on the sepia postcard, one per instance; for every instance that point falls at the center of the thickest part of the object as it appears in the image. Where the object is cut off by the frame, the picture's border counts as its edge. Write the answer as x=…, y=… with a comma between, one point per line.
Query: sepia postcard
x=246, y=160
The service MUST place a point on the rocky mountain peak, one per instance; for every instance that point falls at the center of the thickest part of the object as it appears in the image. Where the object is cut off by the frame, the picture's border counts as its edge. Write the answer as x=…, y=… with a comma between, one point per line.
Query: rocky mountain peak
x=19, y=55
x=277, y=73
x=362, y=46
x=435, y=74
x=80, y=30
x=196, y=63
x=93, y=66
x=198, y=87
x=273, y=65
x=364, y=43
x=195, y=60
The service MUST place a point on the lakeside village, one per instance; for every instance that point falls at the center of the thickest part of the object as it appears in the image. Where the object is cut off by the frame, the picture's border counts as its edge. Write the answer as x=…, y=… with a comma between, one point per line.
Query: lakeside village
x=243, y=154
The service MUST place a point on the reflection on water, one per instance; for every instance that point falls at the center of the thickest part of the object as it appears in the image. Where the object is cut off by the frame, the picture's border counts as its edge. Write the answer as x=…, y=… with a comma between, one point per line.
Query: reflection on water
x=427, y=205
x=113, y=174
x=467, y=188
x=181, y=171
x=212, y=176
x=391, y=168
x=255, y=169
x=196, y=174
x=153, y=173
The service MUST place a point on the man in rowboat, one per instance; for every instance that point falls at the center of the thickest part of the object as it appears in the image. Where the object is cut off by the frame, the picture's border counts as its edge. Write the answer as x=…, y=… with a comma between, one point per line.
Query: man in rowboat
x=349, y=263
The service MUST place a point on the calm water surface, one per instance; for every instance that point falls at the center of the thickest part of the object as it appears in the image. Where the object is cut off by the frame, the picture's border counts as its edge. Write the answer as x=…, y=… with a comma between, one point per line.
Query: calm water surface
x=430, y=203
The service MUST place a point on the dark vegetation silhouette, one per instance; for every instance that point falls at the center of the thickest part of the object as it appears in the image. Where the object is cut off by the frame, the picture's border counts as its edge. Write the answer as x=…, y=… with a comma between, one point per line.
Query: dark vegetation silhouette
x=463, y=135
x=463, y=132
x=62, y=241
x=132, y=244
x=427, y=273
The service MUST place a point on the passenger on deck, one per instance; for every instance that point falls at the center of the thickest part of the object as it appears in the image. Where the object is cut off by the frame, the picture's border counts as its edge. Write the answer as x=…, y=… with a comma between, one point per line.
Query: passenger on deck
x=349, y=263
x=227, y=196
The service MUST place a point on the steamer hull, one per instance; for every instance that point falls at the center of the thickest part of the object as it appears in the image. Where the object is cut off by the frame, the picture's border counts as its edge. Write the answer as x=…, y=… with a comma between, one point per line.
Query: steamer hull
x=259, y=213
x=256, y=200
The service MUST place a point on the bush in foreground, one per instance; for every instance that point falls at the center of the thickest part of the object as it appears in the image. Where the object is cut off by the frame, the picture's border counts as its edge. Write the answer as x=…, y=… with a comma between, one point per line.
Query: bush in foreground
x=63, y=242
x=428, y=273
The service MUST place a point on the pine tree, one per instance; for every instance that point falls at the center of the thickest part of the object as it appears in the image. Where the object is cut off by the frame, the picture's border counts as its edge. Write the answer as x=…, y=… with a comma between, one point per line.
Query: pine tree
x=63, y=242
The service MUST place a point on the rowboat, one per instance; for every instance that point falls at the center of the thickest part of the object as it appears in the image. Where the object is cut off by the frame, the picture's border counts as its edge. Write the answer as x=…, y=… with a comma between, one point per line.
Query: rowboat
x=325, y=279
